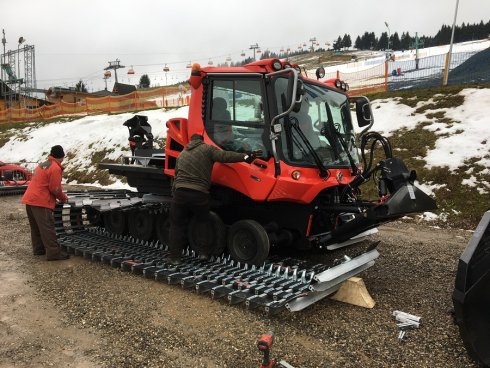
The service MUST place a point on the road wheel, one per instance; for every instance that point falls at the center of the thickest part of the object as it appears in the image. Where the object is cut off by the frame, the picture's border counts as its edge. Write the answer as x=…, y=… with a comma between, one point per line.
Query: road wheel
x=93, y=216
x=248, y=242
x=140, y=225
x=162, y=227
x=208, y=236
x=76, y=218
x=115, y=222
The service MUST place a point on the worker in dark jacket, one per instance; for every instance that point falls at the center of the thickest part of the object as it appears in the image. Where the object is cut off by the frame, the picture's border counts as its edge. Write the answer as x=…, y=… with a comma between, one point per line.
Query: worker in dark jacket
x=40, y=199
x=191, y=189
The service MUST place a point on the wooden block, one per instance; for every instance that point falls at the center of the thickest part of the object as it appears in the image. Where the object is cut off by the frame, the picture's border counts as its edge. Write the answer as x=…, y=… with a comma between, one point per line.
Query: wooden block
x=354, y=291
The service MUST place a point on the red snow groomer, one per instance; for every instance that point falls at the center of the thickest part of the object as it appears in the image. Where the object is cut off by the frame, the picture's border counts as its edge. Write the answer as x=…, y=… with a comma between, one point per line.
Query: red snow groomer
x=304, y=191
x=13, y=178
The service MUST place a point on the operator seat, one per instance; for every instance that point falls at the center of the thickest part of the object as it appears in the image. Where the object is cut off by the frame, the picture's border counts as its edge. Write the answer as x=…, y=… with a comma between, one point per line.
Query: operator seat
x=219, y=110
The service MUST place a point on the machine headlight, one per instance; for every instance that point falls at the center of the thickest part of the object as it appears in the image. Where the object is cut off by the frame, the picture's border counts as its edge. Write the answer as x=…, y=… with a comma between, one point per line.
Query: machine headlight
x=276, y=65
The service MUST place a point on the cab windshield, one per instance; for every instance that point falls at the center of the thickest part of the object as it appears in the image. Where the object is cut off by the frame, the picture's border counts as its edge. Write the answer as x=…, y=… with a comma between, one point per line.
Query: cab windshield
x=322, y=127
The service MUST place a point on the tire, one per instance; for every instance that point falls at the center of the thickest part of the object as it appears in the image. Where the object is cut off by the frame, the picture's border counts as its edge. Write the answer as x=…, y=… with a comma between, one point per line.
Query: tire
x=162, y=228
x=207, y=237
x=248, y=242
x=140, y=224
x=115, y=222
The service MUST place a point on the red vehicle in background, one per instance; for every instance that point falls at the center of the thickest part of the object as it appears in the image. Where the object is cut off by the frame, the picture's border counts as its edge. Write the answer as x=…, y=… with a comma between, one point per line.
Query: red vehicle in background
x=14, y=178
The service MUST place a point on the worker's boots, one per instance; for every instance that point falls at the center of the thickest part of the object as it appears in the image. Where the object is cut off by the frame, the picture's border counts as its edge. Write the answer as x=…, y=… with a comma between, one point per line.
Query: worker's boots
x=59, y=257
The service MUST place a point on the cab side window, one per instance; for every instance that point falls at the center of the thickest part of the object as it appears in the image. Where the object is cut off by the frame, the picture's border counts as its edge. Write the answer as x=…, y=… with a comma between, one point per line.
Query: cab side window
x=236, y=116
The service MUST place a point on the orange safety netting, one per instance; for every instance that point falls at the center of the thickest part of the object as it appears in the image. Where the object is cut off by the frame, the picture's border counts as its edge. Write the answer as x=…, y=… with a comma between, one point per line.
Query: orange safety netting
x=138, y=100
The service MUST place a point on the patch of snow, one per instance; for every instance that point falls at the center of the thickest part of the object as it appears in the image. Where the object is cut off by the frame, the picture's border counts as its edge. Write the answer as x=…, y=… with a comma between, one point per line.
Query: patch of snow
x=474, y=141
x=429, y=216
x=428, y=188
x=471, y=182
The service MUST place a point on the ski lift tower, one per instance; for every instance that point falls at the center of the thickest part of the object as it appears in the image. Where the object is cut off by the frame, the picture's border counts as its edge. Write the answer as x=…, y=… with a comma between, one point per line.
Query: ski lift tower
x=254, y=47
x=313, y=42
x=114, y=65
x=11, y=66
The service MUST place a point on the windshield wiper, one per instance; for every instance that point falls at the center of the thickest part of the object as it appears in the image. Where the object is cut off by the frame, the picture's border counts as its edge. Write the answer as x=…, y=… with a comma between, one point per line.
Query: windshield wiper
x=346, y=149
x=340, y=139
x=323, y=170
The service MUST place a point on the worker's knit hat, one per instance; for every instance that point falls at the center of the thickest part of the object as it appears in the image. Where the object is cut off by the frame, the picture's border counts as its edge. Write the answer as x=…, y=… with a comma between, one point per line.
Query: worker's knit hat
x=57, y=151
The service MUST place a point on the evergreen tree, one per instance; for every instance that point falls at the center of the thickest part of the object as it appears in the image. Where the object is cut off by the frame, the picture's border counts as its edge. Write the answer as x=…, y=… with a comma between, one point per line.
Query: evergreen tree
x=144, y=81
x=382, y=43
x=395, y=43
x=80, y=87
x=405, y=41
x=346, y=41
x=373, y=41
x=338, y=44
x=269, y=55
x=358, y=43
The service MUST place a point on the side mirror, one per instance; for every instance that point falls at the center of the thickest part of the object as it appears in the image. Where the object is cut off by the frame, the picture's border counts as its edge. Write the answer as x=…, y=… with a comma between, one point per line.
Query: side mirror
x=8, y=175
x=364, y=113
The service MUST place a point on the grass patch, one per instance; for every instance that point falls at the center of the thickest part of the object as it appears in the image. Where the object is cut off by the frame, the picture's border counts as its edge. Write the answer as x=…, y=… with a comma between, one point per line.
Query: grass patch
x=463, y=204
x=99, y=156
x=85, y=177
x=441, y=102
x=436, y=115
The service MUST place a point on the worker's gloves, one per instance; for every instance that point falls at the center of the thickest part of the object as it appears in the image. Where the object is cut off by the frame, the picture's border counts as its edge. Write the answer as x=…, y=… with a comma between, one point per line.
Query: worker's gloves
x=251, y=156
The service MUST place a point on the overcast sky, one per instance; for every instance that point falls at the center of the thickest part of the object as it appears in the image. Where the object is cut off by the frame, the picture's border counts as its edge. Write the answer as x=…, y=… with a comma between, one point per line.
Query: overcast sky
x=76, y=40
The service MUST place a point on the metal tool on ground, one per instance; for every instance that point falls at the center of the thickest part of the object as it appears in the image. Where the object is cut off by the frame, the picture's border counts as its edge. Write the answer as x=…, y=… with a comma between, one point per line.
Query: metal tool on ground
x=406, y=321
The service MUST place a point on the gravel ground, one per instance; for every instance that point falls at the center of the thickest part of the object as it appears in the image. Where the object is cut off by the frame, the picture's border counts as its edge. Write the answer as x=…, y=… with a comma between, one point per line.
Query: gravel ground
x=77, y=313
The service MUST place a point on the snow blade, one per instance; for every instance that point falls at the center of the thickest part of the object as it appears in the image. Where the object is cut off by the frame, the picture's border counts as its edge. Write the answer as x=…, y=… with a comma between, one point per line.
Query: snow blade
x=408, y=199
x=471, y=296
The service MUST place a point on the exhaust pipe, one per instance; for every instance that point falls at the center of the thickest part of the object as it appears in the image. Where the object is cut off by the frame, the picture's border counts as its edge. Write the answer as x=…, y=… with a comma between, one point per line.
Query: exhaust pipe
x=471, y=296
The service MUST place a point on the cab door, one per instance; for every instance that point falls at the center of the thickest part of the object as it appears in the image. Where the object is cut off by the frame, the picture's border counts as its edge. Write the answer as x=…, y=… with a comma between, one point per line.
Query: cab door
x=236, y=120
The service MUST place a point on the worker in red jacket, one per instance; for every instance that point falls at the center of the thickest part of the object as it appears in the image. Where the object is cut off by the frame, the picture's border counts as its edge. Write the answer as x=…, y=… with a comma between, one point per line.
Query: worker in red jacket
x=40, y=200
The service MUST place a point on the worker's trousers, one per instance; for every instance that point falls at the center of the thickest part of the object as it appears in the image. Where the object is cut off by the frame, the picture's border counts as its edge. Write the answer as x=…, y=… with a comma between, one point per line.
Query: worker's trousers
x=185, y=204
x=43, y=234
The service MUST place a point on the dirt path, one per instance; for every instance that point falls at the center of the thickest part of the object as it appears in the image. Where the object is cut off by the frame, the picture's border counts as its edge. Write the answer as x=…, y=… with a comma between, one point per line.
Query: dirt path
x=77, y=313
